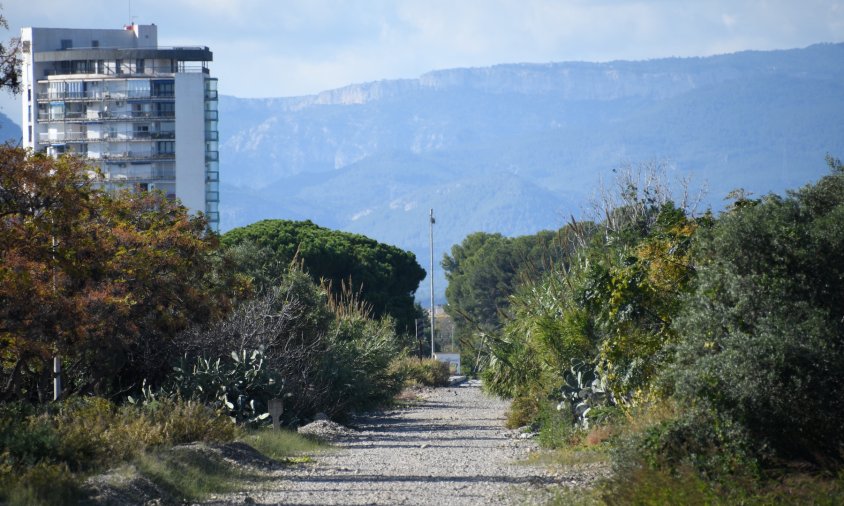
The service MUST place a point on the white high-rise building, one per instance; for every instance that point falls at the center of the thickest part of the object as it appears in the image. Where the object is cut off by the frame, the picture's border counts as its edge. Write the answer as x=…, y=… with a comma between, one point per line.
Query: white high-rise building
x=146, y=115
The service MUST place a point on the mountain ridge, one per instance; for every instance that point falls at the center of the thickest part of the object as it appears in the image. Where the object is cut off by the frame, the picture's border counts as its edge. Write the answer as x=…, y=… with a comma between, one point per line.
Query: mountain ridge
x=458, y=140
x=360, y=93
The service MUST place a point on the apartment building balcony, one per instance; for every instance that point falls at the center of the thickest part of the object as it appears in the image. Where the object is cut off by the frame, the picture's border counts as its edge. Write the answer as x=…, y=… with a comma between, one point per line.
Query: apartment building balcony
x=84, y=137
x=101, y=96
x=135, y=156
x=84, y=117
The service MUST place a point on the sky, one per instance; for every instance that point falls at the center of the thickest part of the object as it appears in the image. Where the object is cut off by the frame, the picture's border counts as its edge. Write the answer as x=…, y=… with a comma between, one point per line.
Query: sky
x=276, y=48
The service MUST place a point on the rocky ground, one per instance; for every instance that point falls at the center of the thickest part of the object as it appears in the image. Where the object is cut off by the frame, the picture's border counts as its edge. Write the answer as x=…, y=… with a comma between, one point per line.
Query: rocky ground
x=448, y=448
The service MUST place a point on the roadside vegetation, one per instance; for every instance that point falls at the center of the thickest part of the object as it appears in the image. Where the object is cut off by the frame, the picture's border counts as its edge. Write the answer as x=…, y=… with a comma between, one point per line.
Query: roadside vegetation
x=701, y=355
x=167, y=335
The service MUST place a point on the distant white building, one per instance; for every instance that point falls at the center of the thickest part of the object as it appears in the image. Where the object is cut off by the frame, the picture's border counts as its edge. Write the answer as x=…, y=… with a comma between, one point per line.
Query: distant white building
x=146, y=115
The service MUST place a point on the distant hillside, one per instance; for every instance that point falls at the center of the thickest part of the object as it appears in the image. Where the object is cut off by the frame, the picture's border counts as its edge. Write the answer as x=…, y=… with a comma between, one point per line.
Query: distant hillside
x=9, y=130
x=519, y=148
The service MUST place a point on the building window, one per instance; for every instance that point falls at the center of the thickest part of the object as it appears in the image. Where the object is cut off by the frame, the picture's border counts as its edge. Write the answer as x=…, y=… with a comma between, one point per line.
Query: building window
x=67, y=44
x=141, y=132
x=166, y=147
x=139, y=66
x=56, y=110
x=166, y=109
x=118, y=66
x=164, y=88
x=95, y=43
x=30, y=133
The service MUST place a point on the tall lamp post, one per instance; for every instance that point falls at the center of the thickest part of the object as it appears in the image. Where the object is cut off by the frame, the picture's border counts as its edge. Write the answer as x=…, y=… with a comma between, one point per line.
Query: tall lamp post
x=432, y=282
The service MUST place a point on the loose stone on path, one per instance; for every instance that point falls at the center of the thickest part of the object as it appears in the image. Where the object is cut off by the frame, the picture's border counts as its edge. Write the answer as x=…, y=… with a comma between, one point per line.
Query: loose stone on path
x=451, y=448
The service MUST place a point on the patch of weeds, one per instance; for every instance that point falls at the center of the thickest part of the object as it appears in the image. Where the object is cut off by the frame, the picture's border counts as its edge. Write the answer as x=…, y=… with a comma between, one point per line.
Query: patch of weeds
x=422, y=372
x=555, y=425
x=191, y=473
x=282, y=445
x=407, y=397
x=564, y=496
x=42, y=484
x=571, y=456
x=524, y=410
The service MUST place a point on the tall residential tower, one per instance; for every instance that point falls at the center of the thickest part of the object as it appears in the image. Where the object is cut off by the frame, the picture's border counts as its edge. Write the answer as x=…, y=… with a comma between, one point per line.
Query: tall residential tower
x=146, y=115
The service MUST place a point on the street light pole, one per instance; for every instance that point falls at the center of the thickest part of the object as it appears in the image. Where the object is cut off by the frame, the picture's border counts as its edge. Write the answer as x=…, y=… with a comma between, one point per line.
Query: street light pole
x=432, y=282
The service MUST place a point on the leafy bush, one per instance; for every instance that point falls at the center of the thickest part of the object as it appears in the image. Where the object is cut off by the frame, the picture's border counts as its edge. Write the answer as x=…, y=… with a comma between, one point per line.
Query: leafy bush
x=555, y=427
x=25, y=437
x=762, y=338
x=43, y=484
x=65, y=289
x=185, y=421
x=82, y=425
x=356, y=365
x=524, y=410
x=427, y=372
x=704, y=441
x=327, y=350
x=44, y=448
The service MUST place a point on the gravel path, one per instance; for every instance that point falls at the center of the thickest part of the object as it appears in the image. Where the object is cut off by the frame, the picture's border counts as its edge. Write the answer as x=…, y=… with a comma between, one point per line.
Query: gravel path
x=450, y=448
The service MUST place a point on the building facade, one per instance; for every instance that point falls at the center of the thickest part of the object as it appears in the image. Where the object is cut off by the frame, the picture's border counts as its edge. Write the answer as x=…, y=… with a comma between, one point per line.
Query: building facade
x=145, y=115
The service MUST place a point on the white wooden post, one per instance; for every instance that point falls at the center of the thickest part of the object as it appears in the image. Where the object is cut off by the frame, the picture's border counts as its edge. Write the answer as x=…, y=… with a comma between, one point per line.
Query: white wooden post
x=57, y=378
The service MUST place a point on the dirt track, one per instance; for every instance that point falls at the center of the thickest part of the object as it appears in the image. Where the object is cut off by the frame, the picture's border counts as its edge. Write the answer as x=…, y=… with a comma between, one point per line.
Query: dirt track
x=449, y=448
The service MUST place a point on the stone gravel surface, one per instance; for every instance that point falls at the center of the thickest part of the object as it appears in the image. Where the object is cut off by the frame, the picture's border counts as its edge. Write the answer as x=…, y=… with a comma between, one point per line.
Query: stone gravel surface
x=449, y=448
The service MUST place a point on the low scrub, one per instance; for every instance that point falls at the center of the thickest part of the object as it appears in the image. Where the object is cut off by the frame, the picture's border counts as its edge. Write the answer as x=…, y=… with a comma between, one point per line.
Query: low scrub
x=427, y=372
x=280, y=444
x=319, y=352
x=647, y=486
x=190, y=473
x=524, y=410
x=60, y=443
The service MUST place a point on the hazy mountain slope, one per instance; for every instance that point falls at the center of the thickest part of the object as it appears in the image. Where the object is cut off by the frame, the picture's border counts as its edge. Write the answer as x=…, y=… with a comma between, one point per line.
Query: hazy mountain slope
x=9, y=130
x=518, y=148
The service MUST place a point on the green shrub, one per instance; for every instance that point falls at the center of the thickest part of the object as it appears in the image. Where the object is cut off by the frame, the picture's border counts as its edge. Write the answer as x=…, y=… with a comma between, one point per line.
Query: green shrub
x=25, y=438
x=524, y=410
x=647, y=486
x=356, y=365
x=188, y=421
x=133, y=431
x=82, y=425
x=427, y=372
x=43, y=484
x=704, y=441
x=329, y=354
x=555, y=425
x=762, y=337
